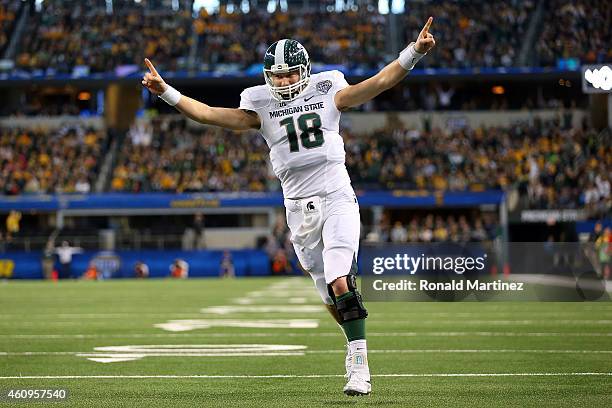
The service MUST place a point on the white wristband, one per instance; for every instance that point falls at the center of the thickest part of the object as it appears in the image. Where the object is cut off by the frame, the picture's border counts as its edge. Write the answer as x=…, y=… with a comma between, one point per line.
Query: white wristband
x=171, y=96
x=409, y=57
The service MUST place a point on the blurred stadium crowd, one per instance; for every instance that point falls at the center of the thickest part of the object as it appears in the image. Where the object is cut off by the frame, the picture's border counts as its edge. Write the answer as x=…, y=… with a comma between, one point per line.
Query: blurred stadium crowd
x=8, y=12
x=65, y=34
x=551, y=165
x=436, y=228
x=475, y=33
x=168, y=156
x=421, y=228
x=569, y=26
x=61, y=161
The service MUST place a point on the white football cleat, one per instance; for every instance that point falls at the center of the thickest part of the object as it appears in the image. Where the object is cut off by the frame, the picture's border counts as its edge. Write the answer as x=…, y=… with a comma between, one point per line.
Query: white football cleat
x=359, y=384
x=358, y=375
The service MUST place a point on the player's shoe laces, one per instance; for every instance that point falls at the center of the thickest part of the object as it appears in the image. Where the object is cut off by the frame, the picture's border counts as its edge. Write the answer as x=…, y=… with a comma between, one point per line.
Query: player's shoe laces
x=359, y=376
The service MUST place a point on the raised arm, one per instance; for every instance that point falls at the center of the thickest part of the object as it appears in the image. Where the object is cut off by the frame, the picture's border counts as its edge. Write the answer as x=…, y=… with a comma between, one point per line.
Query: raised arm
x=390, y=75
x=235, y=119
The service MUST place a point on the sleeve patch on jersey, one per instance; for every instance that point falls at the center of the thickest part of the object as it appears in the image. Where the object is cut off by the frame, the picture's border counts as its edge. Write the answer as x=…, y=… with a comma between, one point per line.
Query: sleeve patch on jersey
x=323, y=87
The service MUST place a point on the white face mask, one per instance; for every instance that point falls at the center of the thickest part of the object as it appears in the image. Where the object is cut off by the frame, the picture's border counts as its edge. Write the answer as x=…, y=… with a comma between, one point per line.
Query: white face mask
x=288, y=92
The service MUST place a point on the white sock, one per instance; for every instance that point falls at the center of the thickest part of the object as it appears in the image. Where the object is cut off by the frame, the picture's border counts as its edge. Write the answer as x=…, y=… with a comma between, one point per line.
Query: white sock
x=358, y=345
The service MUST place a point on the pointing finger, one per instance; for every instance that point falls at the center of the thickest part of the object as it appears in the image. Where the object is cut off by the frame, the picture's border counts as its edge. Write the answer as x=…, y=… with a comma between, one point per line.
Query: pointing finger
x=151, y=67
x=426, y=27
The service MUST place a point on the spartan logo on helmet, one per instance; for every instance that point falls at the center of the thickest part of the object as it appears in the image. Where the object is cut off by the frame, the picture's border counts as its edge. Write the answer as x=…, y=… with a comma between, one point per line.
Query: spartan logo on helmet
x=285, y=56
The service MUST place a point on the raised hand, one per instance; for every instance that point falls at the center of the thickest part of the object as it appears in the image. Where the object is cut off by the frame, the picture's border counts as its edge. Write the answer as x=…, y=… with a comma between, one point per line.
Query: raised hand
x=152, y=80
x=425, y=41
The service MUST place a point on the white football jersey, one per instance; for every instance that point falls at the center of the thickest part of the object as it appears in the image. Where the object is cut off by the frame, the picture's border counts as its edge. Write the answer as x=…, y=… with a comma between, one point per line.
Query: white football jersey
x=306, y=149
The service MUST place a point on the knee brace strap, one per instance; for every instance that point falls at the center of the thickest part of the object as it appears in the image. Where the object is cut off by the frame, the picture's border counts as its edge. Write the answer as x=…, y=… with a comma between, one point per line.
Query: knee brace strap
x=351, y=308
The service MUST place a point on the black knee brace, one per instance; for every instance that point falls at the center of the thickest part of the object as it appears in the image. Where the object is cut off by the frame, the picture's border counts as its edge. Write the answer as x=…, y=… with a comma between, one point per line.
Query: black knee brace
x=352, y=308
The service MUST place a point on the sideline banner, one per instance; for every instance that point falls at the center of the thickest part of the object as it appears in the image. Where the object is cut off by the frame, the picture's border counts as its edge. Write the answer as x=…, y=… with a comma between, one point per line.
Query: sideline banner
x=123, y=201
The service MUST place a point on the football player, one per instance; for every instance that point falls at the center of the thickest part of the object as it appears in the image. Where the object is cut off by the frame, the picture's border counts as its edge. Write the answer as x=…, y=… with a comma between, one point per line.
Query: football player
x=298, y=114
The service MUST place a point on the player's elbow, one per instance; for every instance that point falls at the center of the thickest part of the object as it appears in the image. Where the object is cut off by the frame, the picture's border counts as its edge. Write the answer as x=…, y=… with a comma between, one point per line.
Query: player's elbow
x=344, y=103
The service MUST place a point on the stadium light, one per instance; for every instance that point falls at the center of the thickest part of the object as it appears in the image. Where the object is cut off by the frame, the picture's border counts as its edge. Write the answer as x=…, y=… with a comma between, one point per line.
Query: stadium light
x=245, y=6
x=397, y=6
x=383, y=6
x=211, y=6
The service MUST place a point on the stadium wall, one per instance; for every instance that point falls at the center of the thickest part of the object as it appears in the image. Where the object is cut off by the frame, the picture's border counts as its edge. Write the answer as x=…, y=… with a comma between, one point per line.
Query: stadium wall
x=52, y=122
x=120, y=264
x=362, y=122
x=368, y=122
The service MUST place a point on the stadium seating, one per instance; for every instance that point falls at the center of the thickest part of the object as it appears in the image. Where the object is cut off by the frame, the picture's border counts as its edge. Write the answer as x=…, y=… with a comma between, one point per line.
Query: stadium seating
x=68, y=34
x=8, y=11
x=353, y=39
x=170, y=157
x=575, y=29
x=176, y=158
x=56, y=37
x=37, y=161
x=529, y=157
x=435, y=228
x=474, y=33
x=166, y=155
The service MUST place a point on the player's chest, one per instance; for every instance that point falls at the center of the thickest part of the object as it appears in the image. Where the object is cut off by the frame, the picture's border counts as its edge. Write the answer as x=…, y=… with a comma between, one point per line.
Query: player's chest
x=310, y=111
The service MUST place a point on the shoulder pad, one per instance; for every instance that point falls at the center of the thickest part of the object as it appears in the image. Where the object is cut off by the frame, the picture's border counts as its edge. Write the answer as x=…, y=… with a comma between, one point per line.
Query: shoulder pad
x=259, y=95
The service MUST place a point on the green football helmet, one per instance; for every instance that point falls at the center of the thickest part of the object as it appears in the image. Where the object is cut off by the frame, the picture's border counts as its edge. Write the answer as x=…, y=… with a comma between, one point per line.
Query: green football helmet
x=282, y=57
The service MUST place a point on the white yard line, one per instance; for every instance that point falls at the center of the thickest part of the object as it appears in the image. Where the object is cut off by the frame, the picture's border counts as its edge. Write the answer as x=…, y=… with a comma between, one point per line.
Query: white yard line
x=372, y=351
x=298, y=334
x=276, y=308
x=130, y=315
x=598, y=322
x=496, y=322
x=492, y=351
x=284, y=376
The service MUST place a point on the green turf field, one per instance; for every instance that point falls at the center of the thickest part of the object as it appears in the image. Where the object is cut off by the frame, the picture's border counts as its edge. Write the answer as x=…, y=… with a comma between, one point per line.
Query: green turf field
x=421, y=354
